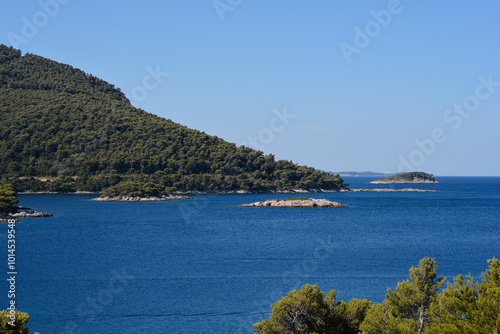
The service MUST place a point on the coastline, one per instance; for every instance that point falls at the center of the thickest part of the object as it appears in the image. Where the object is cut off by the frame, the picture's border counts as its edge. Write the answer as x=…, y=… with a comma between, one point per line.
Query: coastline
x=234, y=192
x=194, y=192
x=404, y=190
x=141, y=199
x=24, y=214
x=29, y=192
x=404, y=182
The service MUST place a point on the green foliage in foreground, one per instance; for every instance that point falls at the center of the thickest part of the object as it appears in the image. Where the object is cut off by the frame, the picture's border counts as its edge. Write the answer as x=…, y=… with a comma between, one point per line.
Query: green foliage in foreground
x=8, y=199
x=415, y=306
x=19, y=327
x=64, y=130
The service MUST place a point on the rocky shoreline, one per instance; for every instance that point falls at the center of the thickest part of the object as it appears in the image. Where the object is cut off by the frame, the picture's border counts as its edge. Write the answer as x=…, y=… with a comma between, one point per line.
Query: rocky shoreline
x=30, y=214
x=24, y=214
x=195, y=192
x=29, y=192
x=391, y=190
x=235, y=192
x=141, y=199
x=416, y=181
x=296, y=203
x=182, y=194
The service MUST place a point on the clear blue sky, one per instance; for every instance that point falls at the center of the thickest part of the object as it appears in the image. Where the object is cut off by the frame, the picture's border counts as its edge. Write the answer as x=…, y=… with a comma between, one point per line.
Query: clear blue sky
x=378, y=85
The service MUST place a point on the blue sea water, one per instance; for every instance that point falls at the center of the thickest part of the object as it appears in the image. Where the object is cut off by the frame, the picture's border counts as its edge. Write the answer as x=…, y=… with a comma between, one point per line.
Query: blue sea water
x=204, y=266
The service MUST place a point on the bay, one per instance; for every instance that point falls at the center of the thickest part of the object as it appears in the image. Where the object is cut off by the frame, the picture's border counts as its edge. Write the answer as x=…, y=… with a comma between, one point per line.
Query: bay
x=204, y=266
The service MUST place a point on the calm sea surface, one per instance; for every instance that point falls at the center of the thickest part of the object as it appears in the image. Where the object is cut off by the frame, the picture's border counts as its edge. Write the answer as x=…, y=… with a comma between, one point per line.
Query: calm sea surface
x=203, y=266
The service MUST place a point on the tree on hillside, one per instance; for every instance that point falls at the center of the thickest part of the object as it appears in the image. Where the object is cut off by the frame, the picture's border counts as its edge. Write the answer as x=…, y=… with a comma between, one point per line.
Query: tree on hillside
x=342, y=317
x=488, y=302
x=406, y=310
x=310, y=311
x=467, y=306
x=8, y=53
x=8, y=199
x=348, y=317
x=300, y=311
x=454, y=306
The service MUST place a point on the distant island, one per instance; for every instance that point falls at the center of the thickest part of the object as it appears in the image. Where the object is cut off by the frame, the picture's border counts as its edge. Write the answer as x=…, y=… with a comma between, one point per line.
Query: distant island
x=367, y=173
x=292, y=202
x=411, y=177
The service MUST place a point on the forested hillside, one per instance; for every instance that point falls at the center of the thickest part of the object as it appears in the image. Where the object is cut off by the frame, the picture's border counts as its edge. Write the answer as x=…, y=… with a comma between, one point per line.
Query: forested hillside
x=62, y=129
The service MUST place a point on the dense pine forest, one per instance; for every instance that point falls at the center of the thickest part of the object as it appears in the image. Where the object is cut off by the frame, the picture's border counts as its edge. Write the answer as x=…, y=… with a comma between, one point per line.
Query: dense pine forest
x=64, y=130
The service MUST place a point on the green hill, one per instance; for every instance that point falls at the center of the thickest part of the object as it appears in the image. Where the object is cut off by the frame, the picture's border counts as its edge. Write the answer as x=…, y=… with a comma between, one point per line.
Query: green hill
x=411, y=177
x=62, y=129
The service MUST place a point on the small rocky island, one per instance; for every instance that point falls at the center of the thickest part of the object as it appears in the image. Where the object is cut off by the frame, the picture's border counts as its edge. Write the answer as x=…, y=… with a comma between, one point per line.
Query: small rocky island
x=30, y=214
x=132, y=191
x=291, y=202
x=411, y=177
x=22, y=212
